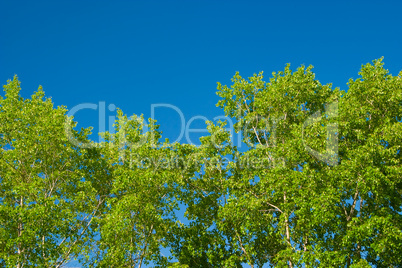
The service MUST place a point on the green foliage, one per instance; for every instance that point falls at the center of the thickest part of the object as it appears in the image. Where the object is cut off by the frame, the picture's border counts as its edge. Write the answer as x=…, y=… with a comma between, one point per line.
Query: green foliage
x=319, y=184
x=315, y=203
x=47, y=197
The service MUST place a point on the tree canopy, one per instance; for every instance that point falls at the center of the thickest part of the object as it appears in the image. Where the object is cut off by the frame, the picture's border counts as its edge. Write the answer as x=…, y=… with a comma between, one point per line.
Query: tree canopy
x=319, y=185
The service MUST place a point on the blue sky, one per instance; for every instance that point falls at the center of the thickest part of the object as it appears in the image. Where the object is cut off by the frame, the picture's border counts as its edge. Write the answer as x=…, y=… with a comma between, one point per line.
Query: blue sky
x=133, y=54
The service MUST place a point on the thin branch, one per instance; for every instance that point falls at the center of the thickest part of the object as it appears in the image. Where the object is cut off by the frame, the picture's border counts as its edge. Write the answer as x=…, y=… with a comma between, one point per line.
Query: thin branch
x=244, y=250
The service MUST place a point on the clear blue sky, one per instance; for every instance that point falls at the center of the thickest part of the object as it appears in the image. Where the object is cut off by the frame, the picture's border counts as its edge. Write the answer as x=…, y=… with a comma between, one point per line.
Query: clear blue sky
x=136, y=53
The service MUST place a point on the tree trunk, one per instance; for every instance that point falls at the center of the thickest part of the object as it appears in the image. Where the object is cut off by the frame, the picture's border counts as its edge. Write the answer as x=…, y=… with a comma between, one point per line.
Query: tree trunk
x=287, y=230
x=19, y=233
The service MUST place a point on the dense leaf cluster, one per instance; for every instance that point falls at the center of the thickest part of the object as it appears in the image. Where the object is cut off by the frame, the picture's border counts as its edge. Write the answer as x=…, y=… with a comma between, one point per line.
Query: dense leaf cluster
x=320, y=184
